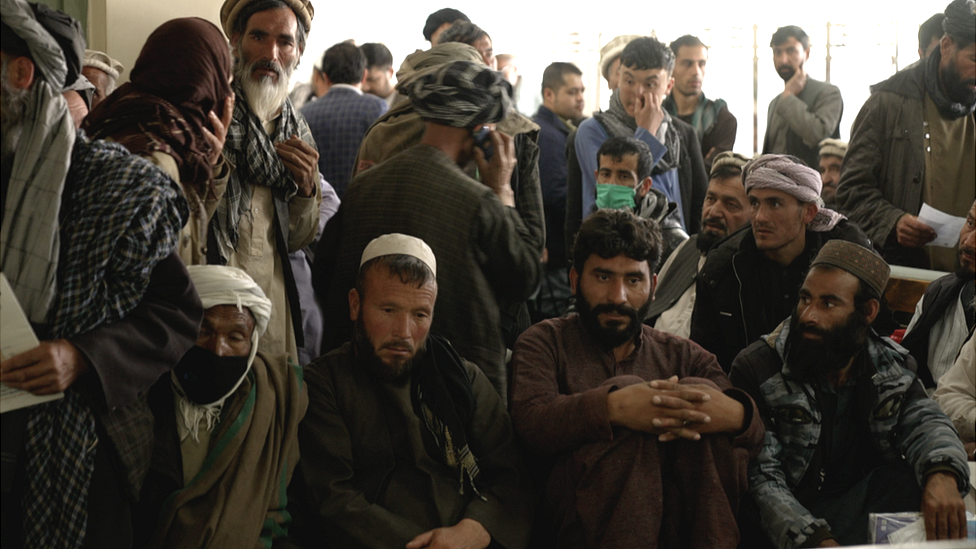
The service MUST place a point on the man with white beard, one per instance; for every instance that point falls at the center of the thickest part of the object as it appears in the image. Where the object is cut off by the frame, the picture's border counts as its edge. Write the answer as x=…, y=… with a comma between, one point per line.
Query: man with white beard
x=271, y=204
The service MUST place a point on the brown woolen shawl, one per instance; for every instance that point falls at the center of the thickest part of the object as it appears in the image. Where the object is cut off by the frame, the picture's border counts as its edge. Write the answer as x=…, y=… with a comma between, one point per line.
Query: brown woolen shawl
x=181, y=75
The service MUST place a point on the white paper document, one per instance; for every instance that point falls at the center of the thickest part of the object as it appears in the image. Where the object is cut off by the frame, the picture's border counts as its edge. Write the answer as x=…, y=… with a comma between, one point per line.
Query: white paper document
x=16, y=336
x=946, y=226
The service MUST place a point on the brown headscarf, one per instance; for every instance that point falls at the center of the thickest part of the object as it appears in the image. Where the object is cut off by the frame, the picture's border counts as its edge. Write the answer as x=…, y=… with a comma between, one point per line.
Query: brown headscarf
x=180, y=76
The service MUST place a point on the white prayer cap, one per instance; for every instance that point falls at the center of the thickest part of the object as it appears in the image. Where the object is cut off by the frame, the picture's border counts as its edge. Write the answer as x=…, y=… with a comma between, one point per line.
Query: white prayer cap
x=396, y=243
x=103, y=63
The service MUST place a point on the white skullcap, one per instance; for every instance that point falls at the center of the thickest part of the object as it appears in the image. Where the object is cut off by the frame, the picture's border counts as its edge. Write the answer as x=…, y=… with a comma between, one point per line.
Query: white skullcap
x=396, y=243
x=833, y=147
x=103, y=63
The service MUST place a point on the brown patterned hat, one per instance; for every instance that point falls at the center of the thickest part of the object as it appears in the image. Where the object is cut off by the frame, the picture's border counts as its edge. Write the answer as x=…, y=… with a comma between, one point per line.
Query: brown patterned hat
x=861, y=262
x=232, y=9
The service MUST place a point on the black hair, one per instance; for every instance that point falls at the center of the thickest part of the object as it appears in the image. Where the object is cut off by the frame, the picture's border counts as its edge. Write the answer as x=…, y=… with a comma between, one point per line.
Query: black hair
x=686, y=40
x=410, y=269
x=344, y=63
x=554, y=75
x=645, y=53
x=783, y=34
x=463, y=31
x=240, y=24
x=377, y=55
x=439, y=17
x=618, y=147
x=931, y=28
x=609, y=233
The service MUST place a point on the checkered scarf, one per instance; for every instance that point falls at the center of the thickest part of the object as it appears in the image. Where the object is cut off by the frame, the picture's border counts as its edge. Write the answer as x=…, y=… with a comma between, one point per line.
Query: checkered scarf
x=123, y=217
x=251, y=151
x=462, y=94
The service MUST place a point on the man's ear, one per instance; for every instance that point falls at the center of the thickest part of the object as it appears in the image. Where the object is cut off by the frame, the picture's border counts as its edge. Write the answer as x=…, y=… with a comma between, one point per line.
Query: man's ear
x=548, y=95
x=365, y=74
x=810, y=210
x=874, y=306
x=354, y=305
x=946, y=45
x=806, y=54
x=573, y=279
x=670, y=85
x=653, y=285
x=644, y=186
x=20, y=72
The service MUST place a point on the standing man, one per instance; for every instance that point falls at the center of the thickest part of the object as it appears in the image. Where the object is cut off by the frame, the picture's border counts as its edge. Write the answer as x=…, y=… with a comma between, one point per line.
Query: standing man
x=406, y=444
x=749, y=281
x=102, y=71
x=726, y=209
x=562, y=103
x=339, y=119
x=649, y=441
x=88, y=247
x=635, y=111
x=832, y=153
x=489, y=252
x=271, y=205
x=930, y=34
x=379, y=73
x=945, y=315
x=711, y=118
x=610, y=59
x=440, y=21
x=850, y=430
x=807, y=110
x=914, y=142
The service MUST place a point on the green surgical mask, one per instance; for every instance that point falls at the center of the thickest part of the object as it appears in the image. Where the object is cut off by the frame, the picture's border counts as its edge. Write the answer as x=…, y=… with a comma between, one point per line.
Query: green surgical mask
x=614, y=197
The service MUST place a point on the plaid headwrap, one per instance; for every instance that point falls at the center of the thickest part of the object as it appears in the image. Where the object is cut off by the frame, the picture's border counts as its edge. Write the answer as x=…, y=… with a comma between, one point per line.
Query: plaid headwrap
x=462, y=94
x=122, y=217
x=790, y=175
x=251, y=151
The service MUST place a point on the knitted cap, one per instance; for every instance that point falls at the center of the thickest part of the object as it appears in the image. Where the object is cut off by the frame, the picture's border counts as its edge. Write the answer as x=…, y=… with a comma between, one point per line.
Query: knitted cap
x=612, y=50
x=861, y=262
x=833, y=147
x=728, y=158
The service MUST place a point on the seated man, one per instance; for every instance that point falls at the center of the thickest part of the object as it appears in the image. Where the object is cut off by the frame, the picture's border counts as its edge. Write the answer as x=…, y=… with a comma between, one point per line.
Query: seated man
x=726, y=209
x=623, y=182
x=851, y=430
x=405, y=443
x=226, y=428
x=957, y=396
x=632, y=417
x=749, y=282
x=945, y=314
x=832, y=153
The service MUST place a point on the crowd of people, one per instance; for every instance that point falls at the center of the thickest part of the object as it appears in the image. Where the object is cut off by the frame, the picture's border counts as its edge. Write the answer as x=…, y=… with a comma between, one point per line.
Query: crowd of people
x=367, y=312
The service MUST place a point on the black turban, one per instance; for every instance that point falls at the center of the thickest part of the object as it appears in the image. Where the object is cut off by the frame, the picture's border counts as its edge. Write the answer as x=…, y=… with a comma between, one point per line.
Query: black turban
x=439, y=17
x=960, y=20
x=462, y=94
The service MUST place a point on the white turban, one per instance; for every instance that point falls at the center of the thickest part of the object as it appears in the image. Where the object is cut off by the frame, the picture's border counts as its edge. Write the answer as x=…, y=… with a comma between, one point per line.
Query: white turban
x=221, y=285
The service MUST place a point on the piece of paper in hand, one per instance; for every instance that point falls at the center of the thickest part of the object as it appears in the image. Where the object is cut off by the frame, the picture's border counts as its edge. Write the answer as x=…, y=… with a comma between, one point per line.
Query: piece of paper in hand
x=946, y=226
x=16, y=336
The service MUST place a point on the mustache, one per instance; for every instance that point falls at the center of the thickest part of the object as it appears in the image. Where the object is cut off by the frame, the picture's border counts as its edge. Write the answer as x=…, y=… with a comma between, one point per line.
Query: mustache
x=269, y=65
x=811, y=329
x=717, y=222
x=623, y=310
x=398, y=345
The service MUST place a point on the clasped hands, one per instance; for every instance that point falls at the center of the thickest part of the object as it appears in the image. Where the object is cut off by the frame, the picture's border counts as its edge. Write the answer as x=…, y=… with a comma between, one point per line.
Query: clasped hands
x=672, y=410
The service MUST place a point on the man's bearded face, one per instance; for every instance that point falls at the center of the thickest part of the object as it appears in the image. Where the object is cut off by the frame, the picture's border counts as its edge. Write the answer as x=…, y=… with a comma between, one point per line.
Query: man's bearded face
x=959, y=88
x=830, y=350
x=398, y=369
x=613, y=333
x=265, y=82
x=13, y=112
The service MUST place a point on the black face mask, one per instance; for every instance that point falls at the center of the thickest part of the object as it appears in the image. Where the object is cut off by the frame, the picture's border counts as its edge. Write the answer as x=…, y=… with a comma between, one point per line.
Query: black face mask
x=205, y=377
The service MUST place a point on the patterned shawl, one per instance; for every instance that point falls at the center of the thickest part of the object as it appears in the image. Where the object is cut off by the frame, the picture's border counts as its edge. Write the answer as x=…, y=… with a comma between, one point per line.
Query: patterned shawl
x=251, y=151
x=122, y=217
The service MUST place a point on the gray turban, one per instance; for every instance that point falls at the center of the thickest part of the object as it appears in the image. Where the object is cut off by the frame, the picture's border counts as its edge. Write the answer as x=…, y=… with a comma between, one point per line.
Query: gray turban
x=960, y=19
x=791, y=176
x=462, y=94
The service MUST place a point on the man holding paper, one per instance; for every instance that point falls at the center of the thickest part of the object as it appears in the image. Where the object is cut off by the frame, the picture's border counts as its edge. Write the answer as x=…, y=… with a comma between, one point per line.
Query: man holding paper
x=87, y=244
x=914, y=143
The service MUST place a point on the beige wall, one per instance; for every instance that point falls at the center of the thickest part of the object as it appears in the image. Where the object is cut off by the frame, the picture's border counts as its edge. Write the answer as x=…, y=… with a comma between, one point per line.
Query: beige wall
x=120, y=27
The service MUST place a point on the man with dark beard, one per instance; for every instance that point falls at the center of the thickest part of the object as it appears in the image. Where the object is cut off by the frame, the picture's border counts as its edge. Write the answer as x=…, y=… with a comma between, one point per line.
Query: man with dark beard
x=649, y=440
x=945, y=315
x=405, y=444
x=851, y=430
x=914, y=142
x=726, y=209
x=270, y=207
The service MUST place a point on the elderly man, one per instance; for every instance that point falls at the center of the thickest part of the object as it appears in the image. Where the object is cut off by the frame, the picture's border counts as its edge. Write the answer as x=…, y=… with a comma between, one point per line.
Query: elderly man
x=87, y=246
x=832, y=153
x=807, y=110
x=726, y=209
x=914, y=142
x=102, y=71
x=489, y=251
x=271, y=205
x=406, y=444
x=850, y=430
x=226, y=429
x=749, y=281
x=711, y=118
x=649, y=440
x=945, y=315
